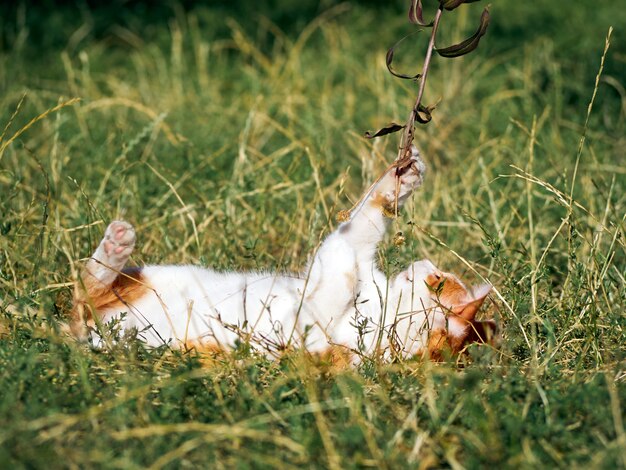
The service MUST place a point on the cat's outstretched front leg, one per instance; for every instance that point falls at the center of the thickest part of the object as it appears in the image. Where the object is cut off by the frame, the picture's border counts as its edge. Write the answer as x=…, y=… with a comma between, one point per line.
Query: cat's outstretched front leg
x=369, y=219
x=350, y=250
x=368, y=222
x=343, y=272
x=100, y=273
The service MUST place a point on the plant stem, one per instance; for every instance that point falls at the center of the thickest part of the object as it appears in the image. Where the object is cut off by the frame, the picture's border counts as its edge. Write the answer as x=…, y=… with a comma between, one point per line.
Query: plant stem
x=404, y=152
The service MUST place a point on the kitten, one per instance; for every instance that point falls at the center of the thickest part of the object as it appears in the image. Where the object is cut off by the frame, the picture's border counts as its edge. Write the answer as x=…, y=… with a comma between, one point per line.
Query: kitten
x=341, y=304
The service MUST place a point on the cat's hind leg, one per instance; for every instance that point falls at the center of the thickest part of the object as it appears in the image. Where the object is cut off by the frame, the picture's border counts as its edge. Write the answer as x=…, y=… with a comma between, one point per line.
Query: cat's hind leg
x=102, y=271
x=112, y=254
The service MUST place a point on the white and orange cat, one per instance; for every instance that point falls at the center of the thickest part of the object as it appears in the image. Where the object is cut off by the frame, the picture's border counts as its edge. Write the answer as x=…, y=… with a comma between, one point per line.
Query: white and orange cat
x=342, y=303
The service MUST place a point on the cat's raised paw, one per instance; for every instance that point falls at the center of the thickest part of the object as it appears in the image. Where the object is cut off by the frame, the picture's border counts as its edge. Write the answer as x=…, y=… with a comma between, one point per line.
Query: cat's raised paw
x=411, y=176
x=399, y=182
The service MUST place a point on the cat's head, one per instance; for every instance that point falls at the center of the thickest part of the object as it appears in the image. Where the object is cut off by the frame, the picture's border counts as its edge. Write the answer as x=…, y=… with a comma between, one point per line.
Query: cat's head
x=449, y=297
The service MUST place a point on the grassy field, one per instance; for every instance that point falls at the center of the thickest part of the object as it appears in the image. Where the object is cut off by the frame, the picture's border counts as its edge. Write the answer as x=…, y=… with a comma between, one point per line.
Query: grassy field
x=231, y=136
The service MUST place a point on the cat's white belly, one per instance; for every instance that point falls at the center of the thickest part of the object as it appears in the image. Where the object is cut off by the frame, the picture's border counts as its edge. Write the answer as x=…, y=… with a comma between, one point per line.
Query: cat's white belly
x=186, y=304
x=192, y=304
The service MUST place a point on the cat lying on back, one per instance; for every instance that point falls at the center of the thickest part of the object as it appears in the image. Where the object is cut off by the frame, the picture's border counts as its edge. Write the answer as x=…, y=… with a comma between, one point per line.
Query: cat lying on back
x=341, y=303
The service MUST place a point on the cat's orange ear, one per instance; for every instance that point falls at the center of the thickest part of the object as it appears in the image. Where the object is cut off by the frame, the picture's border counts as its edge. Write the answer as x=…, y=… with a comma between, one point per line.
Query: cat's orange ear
x=462, y=317
x=467, y=311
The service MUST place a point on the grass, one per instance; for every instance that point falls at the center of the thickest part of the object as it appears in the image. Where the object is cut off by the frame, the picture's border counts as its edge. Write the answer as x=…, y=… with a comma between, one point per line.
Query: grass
x=232, y=141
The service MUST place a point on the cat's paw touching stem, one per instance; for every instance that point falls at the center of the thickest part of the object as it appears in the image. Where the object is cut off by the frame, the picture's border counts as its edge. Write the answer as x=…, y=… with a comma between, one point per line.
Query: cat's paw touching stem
x=400, y=182
x=412, y=175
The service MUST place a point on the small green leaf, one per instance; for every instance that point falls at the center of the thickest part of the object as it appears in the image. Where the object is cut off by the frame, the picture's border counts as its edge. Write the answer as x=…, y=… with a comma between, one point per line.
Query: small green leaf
x=416, y=14
x=389, y=60
x=388, y=129
x=470, y=43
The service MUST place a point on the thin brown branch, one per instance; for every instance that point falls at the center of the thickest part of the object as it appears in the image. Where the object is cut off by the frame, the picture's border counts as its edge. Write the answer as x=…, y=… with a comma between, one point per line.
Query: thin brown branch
x=404, y=152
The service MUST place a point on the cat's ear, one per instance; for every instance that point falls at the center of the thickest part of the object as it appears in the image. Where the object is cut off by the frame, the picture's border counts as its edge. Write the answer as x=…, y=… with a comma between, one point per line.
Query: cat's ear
x=467, y=311
x=481, y=291
x=462, y=318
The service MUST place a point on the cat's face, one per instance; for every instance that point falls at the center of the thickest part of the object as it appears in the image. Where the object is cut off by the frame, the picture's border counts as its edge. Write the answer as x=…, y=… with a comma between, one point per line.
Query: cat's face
x=453, y=307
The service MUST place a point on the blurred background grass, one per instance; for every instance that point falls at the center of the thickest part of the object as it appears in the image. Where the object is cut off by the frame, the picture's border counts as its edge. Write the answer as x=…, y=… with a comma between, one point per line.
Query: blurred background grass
x=230, y=134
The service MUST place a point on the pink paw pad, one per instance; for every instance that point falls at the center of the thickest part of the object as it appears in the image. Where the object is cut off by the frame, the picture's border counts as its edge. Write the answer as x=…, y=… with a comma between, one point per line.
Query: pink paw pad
x=108, y=247
x=119, y=232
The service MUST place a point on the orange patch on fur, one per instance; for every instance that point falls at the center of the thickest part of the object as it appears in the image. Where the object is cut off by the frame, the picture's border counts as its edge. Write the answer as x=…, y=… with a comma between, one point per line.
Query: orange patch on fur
x=129, y=286
x=210, y=353
x=379, y=201
x=442, y=345
x=437, y=343
x=202, y=347
x=92, y=297
x=433, y=280
x=453, y=292
x=335, y=357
